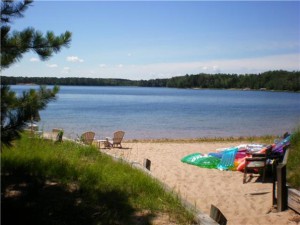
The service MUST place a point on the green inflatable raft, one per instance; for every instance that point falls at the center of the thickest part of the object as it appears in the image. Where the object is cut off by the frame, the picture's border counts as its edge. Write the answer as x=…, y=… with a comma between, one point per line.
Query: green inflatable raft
x=200, y=160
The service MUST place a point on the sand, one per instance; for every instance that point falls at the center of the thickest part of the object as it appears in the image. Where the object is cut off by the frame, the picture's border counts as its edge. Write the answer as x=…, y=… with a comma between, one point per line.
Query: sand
x=249, y=203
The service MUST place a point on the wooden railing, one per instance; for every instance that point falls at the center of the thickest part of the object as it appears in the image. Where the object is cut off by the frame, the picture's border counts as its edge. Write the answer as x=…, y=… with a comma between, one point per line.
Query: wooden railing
x=294, y=199
x=284, y=197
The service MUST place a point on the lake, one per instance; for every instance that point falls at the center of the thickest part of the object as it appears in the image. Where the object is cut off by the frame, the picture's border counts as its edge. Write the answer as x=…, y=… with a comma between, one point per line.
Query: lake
x=148, y=113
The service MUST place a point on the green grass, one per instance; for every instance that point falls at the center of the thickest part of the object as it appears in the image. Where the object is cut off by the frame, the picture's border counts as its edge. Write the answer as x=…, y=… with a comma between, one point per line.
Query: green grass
x=293, y=164
x=43, y=182
x=267, y=139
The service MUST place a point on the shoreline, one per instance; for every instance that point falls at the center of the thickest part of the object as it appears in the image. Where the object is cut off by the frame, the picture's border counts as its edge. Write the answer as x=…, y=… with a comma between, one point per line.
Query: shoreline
x=265, y=138
x=268, y=138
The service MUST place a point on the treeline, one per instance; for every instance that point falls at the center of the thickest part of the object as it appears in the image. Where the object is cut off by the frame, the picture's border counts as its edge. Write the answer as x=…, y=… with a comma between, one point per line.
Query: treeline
x=75, y=81
x=271, y=80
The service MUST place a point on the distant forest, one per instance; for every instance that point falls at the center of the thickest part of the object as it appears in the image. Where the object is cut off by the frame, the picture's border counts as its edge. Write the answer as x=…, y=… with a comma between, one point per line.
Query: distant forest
x=272, y=80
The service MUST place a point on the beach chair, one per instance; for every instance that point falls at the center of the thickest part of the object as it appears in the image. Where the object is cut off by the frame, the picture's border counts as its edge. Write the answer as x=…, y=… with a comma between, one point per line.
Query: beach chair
x=115, y=141
x=33, y=130
x=88, y=137
x=257, y=162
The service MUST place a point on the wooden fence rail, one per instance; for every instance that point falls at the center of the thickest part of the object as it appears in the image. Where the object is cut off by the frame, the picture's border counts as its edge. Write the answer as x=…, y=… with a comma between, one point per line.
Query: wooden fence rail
x=283, y=196
x=294, y=199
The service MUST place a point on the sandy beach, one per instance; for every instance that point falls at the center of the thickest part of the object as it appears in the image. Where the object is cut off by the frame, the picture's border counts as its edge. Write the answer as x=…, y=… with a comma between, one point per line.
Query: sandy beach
x=249, y=203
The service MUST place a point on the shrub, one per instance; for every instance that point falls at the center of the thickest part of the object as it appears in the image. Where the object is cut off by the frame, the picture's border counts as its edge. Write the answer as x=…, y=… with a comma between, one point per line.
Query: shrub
x=293, y=165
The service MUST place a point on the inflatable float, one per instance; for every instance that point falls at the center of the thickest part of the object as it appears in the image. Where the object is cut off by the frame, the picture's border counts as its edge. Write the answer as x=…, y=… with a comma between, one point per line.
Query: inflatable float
x=200, y=160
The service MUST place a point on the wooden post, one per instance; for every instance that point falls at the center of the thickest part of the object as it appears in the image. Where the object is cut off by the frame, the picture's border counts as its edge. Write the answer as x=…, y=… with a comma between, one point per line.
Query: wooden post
x=274, y=201
x=281, y=188
x=147, y=164
x=217, y=215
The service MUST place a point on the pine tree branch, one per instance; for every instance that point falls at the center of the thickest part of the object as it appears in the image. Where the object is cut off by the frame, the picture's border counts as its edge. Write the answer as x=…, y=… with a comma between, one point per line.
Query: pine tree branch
x=10, y=9
x=30, y=40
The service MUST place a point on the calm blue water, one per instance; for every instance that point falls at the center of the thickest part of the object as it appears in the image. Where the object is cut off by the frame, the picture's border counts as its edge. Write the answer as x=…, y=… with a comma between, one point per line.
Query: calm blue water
x=145, y=113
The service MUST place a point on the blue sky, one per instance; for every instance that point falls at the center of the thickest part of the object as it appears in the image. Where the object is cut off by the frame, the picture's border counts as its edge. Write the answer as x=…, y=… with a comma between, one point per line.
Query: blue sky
x=161, y=39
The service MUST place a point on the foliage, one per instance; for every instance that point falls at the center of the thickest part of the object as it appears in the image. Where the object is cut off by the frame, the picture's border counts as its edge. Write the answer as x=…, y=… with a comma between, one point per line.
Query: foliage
x=59, y=136
x=17, y=110
x=15, y=44
x=12, y=121
x=271, y=80
x=293, y=165
x=67, y=183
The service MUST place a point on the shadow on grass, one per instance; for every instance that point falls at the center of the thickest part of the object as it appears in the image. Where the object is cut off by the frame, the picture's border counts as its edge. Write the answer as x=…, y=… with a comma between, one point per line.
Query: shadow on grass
x=32, y=200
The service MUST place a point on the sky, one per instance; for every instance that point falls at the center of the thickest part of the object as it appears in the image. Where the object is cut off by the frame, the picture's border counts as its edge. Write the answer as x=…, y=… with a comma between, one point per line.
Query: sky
x=162, y=39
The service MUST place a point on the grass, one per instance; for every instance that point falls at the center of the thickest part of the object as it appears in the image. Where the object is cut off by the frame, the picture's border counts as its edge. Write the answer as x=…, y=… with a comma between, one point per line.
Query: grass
x=43, y=182
x=267, y=139
x=293, y=164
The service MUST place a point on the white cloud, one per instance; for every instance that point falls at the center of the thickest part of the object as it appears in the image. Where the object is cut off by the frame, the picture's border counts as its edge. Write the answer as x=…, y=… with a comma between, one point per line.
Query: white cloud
x=66, y=70
x=240, y=66
x=74, y=59
x=52, y=65
x=34, y=59
x=288, y=62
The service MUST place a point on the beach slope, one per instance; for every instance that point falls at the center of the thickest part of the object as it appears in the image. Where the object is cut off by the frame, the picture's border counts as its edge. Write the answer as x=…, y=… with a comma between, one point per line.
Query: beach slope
x=249, y=203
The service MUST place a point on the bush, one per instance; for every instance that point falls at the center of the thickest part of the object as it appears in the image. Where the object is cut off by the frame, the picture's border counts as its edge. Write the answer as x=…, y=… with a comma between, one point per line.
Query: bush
x=293, y=165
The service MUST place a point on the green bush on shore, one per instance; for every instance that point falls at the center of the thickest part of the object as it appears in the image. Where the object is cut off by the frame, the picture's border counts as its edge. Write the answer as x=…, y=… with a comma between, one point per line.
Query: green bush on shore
x=293, y=164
